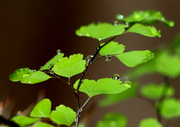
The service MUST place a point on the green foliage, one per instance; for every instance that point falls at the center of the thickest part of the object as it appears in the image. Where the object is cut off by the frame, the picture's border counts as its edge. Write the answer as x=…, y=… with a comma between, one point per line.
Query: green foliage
x=42, y=109
x=102, y=86
x=134, y=58
x=170, y=108
x=23, y=120
x=113, y=120
x=100, y=31
x=63, y=115
x=69, y=67
x=41, y=124
x=150, y=122
x=156, y=91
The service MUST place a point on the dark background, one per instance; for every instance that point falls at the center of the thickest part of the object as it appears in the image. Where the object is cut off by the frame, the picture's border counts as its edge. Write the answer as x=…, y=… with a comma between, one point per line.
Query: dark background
x=31, y=32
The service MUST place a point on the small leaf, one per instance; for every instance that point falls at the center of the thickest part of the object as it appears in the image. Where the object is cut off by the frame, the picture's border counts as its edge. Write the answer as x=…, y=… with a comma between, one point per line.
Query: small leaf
x=17, y=75
x=155, y=91
x=71, y=66
x=113, y=120
x=63, y=115
x=134, y=58
x=100, y=31
x=149, y=31
x=112, y=48
x=170, y=108
x=150, y=122
x=23, y=120
x=111, y=99
x=35, y=77
x=41, y=124
x=42, y=109
x=168, y=64
x=52, y=61
x=102, y=86
x=145, y=17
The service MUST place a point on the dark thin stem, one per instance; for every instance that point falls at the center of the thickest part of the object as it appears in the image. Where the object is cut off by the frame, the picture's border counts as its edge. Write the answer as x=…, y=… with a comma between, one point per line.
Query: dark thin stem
x=7, y=122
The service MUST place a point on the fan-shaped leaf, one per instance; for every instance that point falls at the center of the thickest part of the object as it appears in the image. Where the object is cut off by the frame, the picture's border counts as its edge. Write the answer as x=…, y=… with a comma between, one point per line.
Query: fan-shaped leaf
x=134, y=58
x=69, y=67
x=155, y=91
x=150, y=122
x=100, y=31
x=102, y=86
x=42, y=109
x=113, y=120
x=149, y=31
x=112, y=48
x=63, y=115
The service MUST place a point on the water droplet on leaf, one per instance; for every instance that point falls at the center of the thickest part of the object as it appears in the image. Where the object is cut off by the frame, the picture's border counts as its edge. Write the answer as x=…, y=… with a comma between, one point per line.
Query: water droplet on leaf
x=88, y=58
x=115, y=23
x=124, y=78
x=128, y=83
x=29, y=82
x=116, y=77
x=51, y=72
x=108, y=58
x=58, y=51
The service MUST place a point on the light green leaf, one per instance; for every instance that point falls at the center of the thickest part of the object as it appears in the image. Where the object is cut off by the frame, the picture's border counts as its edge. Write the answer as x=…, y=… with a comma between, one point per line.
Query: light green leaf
x=35, y=77
x=63, y=115
x=111, y=99
x=149, y=31
x=155, y=91
x=145, y=17
x=100, y=31
x=112, y=48
x=170, y=108
x=168, y=65
x=42, y=109
x=134, y=58
x=150, y=122
x=17, y=75
x=113, y=120
x=69, y=67
x=23, y=120
x=102, y=86
x=52, y=61
x=41, y=124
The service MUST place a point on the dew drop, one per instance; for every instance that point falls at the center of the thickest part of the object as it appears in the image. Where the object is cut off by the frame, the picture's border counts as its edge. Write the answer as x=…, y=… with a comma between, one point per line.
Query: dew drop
x=116, y=77
x=115, y=23
x=124, y=78
x=128, y=83
x=51, y=72
x=58, y=51
x=29, y=82
x=88, y=58
x=108, y=58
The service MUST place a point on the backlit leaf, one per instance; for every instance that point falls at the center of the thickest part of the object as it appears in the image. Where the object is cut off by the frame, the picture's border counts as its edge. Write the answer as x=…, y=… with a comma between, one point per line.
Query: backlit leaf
x=150, y=122
x=155, y=91
x=100, y=31
x=113, y=120
x=23, y=120
x=134, y=58
x=63, y=115
x=102, y=86
x=42, y=109
x=112, y=48
x=71, y=66
x=41, y=124
x=149, y=31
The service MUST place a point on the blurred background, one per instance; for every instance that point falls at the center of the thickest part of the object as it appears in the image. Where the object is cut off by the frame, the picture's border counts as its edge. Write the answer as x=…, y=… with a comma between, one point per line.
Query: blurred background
x=32, y=31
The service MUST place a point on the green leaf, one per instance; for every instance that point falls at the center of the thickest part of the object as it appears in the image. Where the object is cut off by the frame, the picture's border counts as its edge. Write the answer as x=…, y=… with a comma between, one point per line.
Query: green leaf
x=150, y=122
x=145, y=17
x=176, y=44
x=42, y=109
x=17, y=75
x=35, y=77
x=168, y=64
x=41, y=124
x=23, y=120
x=149, y=31
x=112, y=48
x=63, y=115
x=100, y=31
x=102, y=86
x=111, y=99
x=69, y=67
x=155, y=91
x=170, y=108
x=52, y=61
x=113, y=120
x=134, y=58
